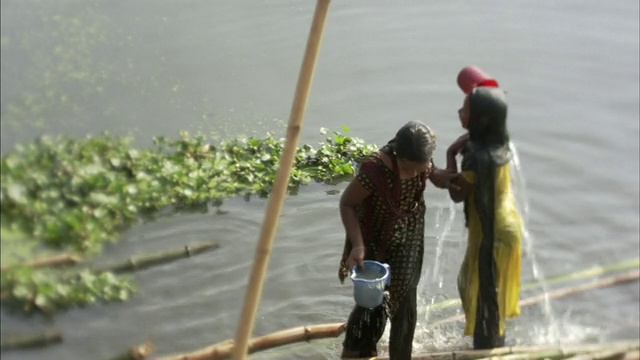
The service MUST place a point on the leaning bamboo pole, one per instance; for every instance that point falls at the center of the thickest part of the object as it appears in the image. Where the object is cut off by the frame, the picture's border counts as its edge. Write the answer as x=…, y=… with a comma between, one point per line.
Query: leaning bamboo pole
x=276, y=199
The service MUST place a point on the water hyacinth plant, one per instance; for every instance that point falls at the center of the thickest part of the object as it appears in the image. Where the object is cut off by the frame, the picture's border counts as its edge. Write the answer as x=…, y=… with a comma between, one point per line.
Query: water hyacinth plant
x=75, y=195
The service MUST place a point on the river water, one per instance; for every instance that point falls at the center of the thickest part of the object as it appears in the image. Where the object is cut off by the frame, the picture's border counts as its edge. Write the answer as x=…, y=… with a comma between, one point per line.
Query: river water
x=229, y=68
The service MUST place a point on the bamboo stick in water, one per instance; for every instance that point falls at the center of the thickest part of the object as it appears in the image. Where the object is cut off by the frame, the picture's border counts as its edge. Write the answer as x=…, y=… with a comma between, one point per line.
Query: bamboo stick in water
x=633, y=275
x=222, y=350
x=558, y=279
x=49, y=261
x=140, y=262
x=31, y=341
x=138, y=352
x=609, y=351
x=304, y=333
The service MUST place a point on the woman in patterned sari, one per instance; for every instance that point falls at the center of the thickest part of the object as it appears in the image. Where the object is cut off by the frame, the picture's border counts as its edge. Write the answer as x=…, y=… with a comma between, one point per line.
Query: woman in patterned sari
x=383, y=211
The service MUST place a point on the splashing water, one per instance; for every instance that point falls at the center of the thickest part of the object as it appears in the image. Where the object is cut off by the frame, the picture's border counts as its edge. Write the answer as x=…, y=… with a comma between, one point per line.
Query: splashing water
x=434, y=304
x=432, y=300
x=426, y=339
x=522, y=202
x=436, y=276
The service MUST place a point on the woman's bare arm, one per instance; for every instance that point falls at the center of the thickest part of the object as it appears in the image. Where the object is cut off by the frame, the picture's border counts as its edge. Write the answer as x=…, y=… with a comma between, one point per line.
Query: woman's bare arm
x=459, y=188
x=352, y=196
x=442, y=178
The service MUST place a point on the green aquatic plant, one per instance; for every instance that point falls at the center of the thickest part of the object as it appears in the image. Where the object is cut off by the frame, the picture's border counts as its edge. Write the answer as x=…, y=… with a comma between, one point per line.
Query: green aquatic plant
x=46, y=291
x=76, y=195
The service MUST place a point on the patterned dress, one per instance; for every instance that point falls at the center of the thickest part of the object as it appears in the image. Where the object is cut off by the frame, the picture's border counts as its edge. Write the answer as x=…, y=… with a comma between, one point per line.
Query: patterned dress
x=392, y=224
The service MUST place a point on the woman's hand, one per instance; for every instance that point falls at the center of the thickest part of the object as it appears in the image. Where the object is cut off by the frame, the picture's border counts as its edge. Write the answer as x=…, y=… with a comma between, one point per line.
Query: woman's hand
x=451, y=180
x=458, y=145
x=356, y=257
x=443, y=179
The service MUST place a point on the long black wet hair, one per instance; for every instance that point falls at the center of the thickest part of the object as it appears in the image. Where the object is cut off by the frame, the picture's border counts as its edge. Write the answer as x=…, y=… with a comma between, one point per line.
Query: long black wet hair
x=415, y=142
x=488, y=149
x=488, y=123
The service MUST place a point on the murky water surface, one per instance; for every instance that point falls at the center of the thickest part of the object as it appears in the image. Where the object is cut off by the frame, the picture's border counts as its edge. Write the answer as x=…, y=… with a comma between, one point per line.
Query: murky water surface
x=230, y=68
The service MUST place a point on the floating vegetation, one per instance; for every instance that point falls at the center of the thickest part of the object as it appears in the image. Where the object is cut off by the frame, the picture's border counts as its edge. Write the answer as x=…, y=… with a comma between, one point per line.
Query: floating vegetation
x=75, y=195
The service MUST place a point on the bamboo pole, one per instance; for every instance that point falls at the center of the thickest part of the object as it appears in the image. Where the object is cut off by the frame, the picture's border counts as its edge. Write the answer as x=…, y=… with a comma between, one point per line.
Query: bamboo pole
x=49, y=261
x=223, y=350
x=138, y=352
x=633, y=275
x=137, y=262
x=557, y=279
x=276, y=199
x=31, y=341
x=602, y=355
x=608, y=351
x=587, y=273
x=141, y=262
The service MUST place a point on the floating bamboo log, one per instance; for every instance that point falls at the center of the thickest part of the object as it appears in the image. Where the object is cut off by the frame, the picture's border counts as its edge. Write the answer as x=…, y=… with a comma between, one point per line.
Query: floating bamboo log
x=591, y=272
x=633, y=275
x=138, y=352
x=602, y=355
x=223, y=350
x=49, y=261
x=31, y=341
x=610, y=351
x=140, y=262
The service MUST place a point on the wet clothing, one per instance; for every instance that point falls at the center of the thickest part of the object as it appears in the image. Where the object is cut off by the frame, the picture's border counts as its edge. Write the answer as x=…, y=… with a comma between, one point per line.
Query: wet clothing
x=489, y=278
x=366, y=326
x=392, y=224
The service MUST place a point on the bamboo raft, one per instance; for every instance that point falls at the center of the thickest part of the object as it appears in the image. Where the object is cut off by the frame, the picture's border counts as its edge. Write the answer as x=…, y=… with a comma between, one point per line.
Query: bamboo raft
x=619, y=273
x=613, y=351
x=625, y=350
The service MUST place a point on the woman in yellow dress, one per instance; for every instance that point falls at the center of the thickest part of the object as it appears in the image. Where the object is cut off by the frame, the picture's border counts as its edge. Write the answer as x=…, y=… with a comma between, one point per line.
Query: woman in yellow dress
x=489, y=278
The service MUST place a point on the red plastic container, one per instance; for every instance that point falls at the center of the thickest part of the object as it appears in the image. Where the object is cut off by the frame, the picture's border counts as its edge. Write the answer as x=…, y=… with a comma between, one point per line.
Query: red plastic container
x=472, y=76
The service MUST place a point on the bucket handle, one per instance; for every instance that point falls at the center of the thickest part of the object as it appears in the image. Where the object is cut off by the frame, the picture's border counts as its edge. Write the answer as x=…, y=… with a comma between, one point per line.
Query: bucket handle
x=388, y=272
x=386, y=266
